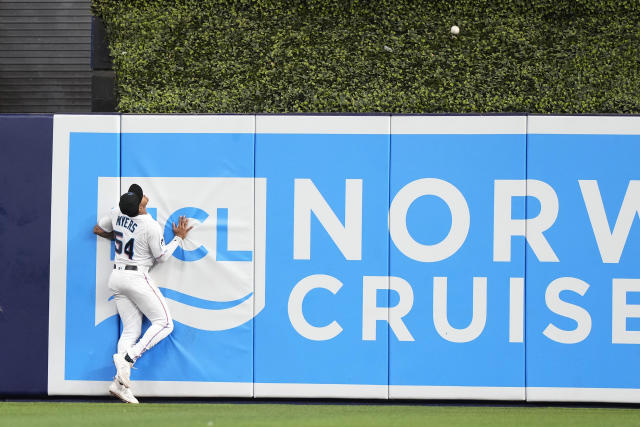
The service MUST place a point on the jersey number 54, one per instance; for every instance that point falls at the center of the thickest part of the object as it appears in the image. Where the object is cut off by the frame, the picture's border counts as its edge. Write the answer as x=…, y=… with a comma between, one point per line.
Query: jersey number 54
x=128, y=247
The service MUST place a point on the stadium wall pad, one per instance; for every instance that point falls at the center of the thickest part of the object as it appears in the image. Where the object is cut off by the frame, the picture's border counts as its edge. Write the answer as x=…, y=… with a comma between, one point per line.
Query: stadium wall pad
x=25, y=203
x=390, y=257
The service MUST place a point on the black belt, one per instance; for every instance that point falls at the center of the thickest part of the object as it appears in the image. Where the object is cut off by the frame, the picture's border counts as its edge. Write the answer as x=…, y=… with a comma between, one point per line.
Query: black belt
x=127, y=267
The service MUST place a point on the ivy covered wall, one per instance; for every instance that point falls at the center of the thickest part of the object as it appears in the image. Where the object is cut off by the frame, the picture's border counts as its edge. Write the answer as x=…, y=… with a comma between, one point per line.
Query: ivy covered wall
x=270, y=56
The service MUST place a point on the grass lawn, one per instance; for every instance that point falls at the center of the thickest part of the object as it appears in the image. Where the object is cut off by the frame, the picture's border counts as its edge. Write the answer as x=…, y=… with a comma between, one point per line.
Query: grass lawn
x=18, y=414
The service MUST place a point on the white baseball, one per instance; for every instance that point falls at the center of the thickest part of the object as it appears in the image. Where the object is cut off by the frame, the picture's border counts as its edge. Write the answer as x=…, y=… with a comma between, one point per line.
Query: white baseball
x=455, y=30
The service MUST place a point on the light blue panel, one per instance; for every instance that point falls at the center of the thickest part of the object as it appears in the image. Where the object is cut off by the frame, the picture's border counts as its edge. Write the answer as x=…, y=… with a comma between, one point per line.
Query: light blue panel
x=191, y=354
x=595, y=362
x=88, y=348
x=471, y=163
x=282, y=355
x=187, y=154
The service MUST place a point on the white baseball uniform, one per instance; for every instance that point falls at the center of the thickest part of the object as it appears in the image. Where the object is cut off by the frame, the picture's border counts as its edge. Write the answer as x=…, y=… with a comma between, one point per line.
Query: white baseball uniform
x=138, y=244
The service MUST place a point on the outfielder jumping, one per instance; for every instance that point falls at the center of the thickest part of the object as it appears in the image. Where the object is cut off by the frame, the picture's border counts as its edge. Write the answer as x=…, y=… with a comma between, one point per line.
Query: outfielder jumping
x=138, y=245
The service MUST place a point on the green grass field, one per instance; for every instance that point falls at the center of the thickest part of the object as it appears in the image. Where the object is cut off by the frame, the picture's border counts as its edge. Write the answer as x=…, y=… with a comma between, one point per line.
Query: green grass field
x=17, y=414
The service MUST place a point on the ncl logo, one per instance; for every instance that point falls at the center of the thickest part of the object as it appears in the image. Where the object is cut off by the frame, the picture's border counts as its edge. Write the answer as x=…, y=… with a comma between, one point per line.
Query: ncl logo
x=216, y=281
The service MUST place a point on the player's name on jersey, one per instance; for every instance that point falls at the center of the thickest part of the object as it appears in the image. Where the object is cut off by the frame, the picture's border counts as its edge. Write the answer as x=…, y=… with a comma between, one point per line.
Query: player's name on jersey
x=126, y=222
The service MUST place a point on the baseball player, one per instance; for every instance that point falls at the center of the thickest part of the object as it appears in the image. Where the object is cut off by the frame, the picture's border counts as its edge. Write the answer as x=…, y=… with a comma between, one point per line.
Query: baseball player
x=138, y=245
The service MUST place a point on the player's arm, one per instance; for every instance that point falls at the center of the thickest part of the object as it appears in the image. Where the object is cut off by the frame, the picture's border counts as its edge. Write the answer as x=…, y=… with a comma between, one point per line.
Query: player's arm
x=102, y=233
x=104, y=228
x=162, y=252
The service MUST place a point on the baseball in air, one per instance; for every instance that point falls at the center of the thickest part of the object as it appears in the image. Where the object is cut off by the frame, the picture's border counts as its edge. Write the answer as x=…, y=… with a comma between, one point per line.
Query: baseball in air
x=455, y=30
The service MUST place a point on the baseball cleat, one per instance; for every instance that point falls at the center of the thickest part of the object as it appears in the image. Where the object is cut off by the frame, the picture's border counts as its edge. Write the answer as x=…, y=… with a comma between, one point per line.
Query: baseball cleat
x=121, y=392
x=123, y=369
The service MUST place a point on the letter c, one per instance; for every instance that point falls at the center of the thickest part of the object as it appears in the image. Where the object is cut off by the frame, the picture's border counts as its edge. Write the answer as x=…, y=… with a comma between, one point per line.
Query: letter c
x=180, y=253
x=299, y=292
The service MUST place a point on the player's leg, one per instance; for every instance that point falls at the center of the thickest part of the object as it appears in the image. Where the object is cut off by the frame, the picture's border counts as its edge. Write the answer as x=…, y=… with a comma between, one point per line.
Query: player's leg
x=131, y=319
x=120, y=283
x=154, y=306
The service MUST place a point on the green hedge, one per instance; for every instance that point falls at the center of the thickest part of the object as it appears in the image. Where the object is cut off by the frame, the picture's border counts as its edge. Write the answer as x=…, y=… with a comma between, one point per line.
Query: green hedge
x=538, y=56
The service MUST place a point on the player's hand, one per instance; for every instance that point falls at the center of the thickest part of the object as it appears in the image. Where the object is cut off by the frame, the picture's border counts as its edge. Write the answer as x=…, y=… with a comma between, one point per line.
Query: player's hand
x=183, y=227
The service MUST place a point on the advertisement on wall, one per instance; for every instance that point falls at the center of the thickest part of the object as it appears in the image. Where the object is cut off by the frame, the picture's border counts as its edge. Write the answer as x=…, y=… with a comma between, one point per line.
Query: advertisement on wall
x=471, y=257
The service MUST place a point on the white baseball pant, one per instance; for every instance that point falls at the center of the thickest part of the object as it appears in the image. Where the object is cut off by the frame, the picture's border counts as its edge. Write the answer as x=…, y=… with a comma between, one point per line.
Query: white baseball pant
x=136, y=295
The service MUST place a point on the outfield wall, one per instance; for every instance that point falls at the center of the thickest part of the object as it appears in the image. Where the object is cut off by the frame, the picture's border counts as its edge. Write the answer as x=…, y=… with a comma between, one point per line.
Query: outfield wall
x=391, y=257
x=25, y=219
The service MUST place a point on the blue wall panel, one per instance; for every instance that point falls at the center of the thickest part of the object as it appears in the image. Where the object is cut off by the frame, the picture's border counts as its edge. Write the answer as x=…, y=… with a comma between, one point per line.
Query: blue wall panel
x=433, y=363
x=89, y=343
x=25, y=222
x=196, y=168
x=576, y=346
x=283, y=356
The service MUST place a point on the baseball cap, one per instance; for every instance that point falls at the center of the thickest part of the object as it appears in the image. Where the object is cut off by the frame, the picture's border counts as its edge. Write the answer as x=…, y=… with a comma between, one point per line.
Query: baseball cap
x=129, y=203
x=137, y=190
